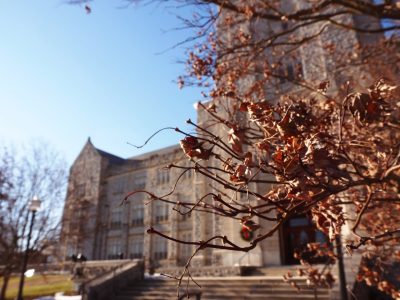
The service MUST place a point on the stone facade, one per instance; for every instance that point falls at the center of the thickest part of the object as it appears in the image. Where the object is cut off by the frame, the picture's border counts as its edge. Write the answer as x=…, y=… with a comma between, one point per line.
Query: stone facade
x=98, y=223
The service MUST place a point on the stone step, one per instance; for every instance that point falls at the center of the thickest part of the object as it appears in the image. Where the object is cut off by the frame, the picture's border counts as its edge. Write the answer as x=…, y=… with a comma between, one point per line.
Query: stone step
x=232, y=288
x=208, y=294
x=230, y=281
x=244, y=286
x=255, y=289
x=288, y=290
x=223, y=297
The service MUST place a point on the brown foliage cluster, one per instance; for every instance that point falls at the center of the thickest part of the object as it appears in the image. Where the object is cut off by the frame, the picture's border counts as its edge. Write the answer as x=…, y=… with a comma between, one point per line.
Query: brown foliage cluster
x=334, y=160
x=379, y=269
x=318, y=277
x=263, y=40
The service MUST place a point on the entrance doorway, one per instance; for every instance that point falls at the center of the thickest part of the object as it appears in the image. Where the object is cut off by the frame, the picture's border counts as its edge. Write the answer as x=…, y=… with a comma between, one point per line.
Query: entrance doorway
x=296, y=233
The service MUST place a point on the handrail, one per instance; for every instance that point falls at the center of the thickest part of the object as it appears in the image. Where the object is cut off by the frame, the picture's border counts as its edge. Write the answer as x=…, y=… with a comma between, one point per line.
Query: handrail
x=115, y=271
x=102, y=287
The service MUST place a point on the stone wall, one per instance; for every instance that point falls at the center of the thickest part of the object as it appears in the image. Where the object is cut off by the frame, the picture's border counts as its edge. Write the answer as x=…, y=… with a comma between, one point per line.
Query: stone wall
x=106, y=284
x=81, y=207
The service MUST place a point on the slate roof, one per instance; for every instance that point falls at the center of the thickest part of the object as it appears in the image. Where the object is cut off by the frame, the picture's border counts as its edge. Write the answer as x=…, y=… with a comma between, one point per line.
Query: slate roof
x=111, y=157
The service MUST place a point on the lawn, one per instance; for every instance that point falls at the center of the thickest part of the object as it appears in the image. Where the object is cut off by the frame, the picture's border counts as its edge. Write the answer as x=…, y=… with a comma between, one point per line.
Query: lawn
x=39, y=285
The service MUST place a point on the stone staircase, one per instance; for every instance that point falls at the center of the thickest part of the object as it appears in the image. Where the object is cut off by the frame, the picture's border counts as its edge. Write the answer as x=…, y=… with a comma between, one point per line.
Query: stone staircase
x=232, y=288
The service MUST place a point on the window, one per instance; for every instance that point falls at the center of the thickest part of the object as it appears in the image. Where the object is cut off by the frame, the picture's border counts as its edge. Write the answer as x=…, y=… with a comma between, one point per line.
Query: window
x=290, y=72
x=119, y=185
x=160, y=248
x=140, y=181
x=162, y=212
x=188, y=173
x=114, y=249
x=162, y=176
x=297, y=232
x=243, y=196
x=116, y=219
x=185, y=250
x=136, y=248
x=137, y=214
x=185, y=217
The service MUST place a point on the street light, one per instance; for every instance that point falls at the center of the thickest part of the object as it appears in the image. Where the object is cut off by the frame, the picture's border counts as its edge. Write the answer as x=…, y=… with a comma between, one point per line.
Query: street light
x=33, y=207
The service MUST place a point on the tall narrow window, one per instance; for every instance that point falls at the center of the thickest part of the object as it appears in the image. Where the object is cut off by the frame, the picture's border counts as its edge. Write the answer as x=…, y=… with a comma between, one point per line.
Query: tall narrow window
x=162, y=176
x=136, y=248
x=289, y=71
x=114, y=249
x=137, y=214
x=160, y=248
x=185, y=251
x=188, y=173
x=116, y=219
x=139, y=181
x=119, y=185
x=162, y=212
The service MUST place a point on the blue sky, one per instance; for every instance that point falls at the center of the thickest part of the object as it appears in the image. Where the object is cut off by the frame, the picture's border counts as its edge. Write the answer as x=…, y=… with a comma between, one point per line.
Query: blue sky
x=66, y=75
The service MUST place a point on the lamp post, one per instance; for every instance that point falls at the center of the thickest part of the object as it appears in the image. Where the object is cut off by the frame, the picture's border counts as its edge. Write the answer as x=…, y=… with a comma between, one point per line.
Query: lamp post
x=79, y=272
x=33, y=207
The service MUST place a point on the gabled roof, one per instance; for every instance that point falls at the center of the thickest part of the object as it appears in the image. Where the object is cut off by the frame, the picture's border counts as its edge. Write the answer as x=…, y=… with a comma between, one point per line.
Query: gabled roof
x=114, y=159
x=111, y=157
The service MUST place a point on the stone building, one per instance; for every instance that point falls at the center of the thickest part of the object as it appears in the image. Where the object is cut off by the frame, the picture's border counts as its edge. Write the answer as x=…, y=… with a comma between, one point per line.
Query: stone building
x=100, y=225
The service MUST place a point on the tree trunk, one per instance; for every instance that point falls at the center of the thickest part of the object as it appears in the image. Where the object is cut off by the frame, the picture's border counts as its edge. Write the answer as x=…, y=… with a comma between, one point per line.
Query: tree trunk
x=4, y=285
